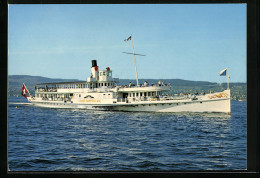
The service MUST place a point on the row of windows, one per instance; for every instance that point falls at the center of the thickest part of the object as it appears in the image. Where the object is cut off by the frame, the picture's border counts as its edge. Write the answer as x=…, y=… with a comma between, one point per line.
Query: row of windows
x=105, y=84
x=83, y=85
x=73, y=86
x=108, y=73
x=54, y=95
x=145, y=94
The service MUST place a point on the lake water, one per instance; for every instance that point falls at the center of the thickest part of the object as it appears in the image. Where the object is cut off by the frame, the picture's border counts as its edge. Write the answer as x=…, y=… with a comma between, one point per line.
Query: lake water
x=45, y=139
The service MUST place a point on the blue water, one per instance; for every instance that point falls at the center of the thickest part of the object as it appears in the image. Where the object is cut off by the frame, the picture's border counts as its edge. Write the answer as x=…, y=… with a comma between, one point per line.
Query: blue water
x=45, y=139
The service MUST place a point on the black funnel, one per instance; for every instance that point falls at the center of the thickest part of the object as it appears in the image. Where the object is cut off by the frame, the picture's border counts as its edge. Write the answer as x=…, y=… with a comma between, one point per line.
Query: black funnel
x=94, y=63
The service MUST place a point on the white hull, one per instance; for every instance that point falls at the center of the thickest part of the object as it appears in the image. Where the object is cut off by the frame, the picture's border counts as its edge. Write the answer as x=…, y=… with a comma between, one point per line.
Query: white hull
x=221, y=105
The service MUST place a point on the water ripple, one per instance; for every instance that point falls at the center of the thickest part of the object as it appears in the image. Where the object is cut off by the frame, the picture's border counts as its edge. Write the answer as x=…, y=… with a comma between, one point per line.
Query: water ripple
x=44, y=139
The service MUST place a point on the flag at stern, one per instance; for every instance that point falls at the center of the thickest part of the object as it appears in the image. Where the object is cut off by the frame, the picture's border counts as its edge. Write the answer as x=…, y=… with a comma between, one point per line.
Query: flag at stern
x=24, y=91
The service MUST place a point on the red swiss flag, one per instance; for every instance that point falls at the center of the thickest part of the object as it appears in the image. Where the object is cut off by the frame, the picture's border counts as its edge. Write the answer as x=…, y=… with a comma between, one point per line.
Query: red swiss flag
x=24, y=91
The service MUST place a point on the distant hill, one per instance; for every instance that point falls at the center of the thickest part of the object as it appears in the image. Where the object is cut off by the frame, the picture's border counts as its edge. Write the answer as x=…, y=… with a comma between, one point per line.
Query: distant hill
x=15, y=83
x=238, y=90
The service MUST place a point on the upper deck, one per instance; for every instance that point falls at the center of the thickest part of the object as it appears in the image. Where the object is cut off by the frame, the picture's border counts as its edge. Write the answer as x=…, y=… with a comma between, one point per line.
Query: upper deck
x=83, y=86
x=99, y=81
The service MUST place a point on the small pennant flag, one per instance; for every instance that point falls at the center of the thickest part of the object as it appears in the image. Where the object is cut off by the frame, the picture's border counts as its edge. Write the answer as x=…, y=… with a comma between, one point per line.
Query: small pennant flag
x=24, y=91
x=223, y=72
x=130, y=37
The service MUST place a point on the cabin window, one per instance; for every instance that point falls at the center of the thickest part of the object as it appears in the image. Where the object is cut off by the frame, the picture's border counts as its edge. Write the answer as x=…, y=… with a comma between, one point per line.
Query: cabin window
x=141, y=94
x=109, y=74
x=136, y=94
x=129, y=94
x=104, y=73
x=100, y=74
x=102, y=84
x=105, y=84
x=99, y=84
x=133, y=94
x=144, y=93
x=149, y=93
x=108, y=84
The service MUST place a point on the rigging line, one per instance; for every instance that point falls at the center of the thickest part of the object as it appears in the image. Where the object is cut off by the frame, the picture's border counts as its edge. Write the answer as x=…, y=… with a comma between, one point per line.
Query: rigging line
x=134, y=54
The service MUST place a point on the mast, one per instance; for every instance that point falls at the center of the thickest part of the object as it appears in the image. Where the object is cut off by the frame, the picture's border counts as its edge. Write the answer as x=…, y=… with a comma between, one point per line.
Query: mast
x=227, y=80
x=131, y=38
x=134, y=59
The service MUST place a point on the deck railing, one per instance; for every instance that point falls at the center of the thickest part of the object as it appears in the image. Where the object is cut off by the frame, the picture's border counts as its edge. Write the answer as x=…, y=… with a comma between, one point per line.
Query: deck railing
x=46, y=90
x=122, y=100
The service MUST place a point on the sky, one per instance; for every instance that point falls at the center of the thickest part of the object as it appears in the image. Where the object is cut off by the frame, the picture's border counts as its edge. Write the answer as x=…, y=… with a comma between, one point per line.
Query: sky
x=179, y=41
